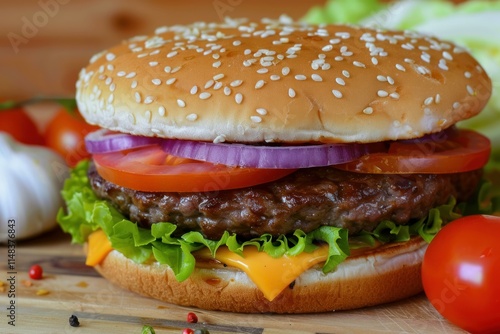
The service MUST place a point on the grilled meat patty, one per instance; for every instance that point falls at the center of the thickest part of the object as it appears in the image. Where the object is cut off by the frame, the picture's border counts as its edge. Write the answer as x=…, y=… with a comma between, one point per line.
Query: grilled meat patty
x=306, y=199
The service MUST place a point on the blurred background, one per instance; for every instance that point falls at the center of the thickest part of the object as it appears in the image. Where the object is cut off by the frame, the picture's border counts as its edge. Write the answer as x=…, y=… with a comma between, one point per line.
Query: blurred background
x=44, y=43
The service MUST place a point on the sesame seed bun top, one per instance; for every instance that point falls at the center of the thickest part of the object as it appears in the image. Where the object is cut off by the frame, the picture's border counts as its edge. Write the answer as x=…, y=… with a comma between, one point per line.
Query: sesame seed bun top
x=281, y=81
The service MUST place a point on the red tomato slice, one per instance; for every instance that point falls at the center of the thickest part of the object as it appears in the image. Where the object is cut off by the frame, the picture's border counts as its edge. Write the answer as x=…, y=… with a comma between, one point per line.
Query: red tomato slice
x=464, y=151
x=151, y=169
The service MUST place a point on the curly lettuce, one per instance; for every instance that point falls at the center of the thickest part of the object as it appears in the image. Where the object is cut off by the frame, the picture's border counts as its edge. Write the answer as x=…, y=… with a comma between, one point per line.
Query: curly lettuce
x=85, y=213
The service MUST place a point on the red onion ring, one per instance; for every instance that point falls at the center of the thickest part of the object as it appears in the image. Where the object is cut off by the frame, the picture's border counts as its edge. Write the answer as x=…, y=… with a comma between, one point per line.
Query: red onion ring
x=280, y=157
x=105, y=141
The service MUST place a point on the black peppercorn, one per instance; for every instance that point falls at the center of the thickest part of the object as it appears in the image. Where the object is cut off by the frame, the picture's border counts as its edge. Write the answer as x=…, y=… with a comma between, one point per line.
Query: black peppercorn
x=73, y=321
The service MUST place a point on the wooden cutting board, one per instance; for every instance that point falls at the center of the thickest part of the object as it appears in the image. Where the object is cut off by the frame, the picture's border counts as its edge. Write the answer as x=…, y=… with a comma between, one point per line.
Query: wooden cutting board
x=73, y=288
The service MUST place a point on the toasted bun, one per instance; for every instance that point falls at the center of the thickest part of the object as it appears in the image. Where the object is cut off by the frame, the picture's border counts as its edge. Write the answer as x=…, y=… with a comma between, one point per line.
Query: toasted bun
x=386, y=274
x=281, y=81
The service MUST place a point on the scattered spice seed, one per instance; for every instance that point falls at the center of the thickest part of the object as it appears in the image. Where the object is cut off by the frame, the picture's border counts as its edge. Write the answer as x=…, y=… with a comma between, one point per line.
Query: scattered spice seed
x=42, y=292
x=192, y=318
x=36, y=272
x=27, y=283
x=73, y=321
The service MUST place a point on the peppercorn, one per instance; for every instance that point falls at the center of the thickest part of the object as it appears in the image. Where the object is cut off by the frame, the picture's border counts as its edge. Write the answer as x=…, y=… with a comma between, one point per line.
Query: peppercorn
x=73, y=321
x=36, y=272
x=192, y=318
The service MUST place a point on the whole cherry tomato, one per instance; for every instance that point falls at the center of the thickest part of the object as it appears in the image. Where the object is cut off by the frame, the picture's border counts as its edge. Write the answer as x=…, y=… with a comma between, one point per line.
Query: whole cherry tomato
x=65, y=134
x=20, y=126
x=460, y=273
x=36, y=272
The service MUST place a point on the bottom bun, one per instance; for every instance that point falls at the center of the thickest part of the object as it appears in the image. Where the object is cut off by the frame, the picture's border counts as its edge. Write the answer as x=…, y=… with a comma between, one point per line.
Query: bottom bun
x=385, y=274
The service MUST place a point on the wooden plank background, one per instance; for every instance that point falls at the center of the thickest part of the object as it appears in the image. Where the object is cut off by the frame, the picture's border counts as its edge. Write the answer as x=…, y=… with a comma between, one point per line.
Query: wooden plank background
x=44, y=43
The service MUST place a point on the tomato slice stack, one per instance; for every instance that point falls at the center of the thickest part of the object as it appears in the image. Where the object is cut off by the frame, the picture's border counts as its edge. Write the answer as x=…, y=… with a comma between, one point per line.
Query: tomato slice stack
x=152, y=169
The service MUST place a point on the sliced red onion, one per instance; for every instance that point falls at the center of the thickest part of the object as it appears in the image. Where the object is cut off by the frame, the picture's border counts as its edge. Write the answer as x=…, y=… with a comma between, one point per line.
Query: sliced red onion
x=283, y=157
x=105, y=141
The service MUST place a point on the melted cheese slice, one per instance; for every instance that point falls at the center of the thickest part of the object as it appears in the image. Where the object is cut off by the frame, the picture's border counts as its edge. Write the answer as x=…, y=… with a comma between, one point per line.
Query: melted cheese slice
x=98, y=248
x=270, y=275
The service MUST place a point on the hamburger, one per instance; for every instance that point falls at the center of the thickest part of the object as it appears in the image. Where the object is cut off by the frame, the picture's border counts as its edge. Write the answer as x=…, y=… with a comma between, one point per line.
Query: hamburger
x=274, y=166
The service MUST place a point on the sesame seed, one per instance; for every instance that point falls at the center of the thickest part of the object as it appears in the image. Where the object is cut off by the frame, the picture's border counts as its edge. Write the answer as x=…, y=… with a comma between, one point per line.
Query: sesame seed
x=285, y=70
x=275, y=77
x=340, y=81
x=247, y=52
x=335, y=41
x=204, y=95
x=400, y=67
x=227, y=91
x=390, y=80
x=338, y=58
x=209, y=83
x=111, y=97
x=236, y=83
x=108, y=81
x=470, y=90
x=291, y=92
x=447, y=55
x=167, y=69
x=175, y=69
x=368, y=110
x=456, y=105
x=130, y=75
x=261, y=111
x=256, y=119
x=358, y=64
x=443, y=66
x=236, y=43
x=161, y=110
x=337, y=93
x=181, y=103
x=438, y=98
x=327, y=48
x=170, y=81
x=133, y=84
x=422, y=70
x=219, y=139
x=216, y=64
x=259, y=84
x=153, y=63
x=467, y=74
x=121, y=73
x=425, y=57
x=374, y=61
x=428, y=100
x=325, y=66
x=172, y=54
x=381, y=78
x=149, y=99
x=137, y=96
x=192, y=117
x=238, y=98
x=218, y=76
x=316, y=77
x=346, y=73
x=382, y=93
x=217, y=85
x=110, y=56
x=156, y=82
x=300, y=77
x=394, y=95
x=262, y=70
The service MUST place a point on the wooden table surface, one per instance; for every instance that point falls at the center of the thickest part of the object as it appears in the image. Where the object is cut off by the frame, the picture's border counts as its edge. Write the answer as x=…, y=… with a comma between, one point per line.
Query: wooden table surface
x=73, y=288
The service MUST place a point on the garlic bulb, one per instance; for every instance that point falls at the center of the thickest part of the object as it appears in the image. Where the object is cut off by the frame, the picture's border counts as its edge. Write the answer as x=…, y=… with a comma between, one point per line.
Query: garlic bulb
x=30, y=183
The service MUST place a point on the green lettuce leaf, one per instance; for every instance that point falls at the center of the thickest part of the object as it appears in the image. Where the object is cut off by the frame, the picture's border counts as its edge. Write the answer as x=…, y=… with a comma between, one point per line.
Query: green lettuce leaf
x=86, y=213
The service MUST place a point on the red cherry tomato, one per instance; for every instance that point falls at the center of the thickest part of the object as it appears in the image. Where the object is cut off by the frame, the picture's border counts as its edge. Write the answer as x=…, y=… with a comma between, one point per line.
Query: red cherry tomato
x=460, y=273
x=36, y=272
x=65, y=134
x=20, y=126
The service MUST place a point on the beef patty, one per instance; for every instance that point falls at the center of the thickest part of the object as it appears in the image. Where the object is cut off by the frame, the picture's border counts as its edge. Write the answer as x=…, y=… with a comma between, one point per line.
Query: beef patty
x=305, y=199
